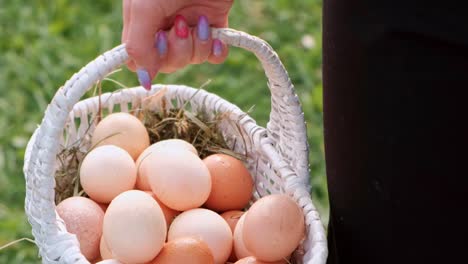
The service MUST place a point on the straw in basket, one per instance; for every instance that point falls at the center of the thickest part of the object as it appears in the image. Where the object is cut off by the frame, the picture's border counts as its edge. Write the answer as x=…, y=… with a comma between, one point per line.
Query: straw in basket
x=277, y=156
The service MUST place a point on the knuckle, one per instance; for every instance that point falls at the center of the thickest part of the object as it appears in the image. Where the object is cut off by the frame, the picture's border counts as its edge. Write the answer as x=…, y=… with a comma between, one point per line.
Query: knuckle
x=134, y=51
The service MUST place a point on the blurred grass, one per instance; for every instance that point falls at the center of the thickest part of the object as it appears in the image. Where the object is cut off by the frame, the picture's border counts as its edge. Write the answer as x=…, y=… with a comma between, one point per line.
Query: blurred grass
x=43, y=43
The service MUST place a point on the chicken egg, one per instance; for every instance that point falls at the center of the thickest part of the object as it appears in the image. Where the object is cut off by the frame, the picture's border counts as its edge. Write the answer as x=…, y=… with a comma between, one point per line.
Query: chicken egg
x=178, y=177
x=273, y=227
x=106, y=172
x=134, y=227
x=207, y=226
x=123, y=130
x=231, y=183
x=142, y=181
x=232, y=217
x=84, y=218
x=185, y=250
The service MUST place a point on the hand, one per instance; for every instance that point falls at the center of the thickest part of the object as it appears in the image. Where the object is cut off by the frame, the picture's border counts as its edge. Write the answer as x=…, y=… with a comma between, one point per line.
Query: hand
x=166, y=35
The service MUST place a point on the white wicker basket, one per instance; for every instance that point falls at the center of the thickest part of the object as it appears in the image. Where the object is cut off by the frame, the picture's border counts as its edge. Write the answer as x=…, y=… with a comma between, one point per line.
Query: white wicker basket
x=277, y=155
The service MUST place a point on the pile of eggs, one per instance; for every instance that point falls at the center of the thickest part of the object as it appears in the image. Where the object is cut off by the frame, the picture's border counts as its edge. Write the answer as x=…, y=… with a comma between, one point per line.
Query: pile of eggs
x=161, y=204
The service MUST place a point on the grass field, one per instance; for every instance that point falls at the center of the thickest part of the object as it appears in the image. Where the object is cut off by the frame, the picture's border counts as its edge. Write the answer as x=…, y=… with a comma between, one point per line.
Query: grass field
x=43, y=43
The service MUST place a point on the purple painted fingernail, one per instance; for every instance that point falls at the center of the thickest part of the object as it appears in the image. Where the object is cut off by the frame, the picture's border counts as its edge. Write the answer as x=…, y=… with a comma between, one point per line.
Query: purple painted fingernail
x=203, y=28
x=217, y=47
x=161, y=42
x=144, y=78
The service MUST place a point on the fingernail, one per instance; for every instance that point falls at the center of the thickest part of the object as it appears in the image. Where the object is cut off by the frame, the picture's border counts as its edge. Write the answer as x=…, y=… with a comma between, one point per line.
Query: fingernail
x=161, y=42
x=203, y=28
x=217, y=47
x=144, y=78
x=181, y=27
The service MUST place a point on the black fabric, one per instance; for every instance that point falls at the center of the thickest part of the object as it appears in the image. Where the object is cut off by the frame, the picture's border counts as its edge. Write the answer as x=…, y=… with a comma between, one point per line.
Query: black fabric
x=395, y=114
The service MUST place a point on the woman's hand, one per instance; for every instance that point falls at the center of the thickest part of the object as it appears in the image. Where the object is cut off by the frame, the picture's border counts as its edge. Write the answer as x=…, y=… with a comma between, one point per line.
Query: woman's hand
x=166, y=35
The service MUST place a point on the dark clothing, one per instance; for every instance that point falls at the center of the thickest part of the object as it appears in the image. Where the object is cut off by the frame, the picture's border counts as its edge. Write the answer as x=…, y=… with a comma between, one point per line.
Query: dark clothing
x=395, y=114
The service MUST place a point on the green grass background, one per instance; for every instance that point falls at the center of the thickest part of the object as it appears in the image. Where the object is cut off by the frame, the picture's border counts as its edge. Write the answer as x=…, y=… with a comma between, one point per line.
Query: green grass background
x=42, y=43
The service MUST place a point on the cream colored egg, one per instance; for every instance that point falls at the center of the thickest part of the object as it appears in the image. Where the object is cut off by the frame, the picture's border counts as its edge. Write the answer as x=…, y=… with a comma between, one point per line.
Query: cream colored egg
x=207, y=226
x=123, y=130
x=134, y=227
x=106, y=172
x=273, y=222
x=178, y=177
x=169, y=144
x=84, y=218
x=239, y=246
x=173, y=144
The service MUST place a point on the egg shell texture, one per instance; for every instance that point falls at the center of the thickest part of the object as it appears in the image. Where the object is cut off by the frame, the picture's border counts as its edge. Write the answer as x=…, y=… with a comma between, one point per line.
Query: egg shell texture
x=84, y=218
x=178, y=177
x=134, y=227
x=123, y=130
x=273, y=227
x=207, y=226
x=168, y=144
x=106, y=172
x=231, y=183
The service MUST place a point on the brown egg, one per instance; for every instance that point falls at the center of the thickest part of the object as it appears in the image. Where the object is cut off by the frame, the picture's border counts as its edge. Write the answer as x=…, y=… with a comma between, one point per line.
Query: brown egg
x=232, y=217
x=253, y=260
x=134, y=227
x=104, y=249
x=169, y=214
x=239, y=246
x=84, y=218
x=123, y=130
x=231, y=183
x=207, y=226
x=273, y=222
x=178, y=177
x=185, y=250
x=142, y=180
x=106, y=172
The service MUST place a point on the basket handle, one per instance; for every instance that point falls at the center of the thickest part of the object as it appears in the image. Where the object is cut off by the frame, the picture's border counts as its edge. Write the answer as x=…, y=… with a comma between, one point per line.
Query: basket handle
x=286, y=128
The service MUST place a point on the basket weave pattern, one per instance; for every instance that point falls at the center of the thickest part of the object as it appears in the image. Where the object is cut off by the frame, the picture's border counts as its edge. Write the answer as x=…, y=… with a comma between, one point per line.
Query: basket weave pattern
x=277, y=156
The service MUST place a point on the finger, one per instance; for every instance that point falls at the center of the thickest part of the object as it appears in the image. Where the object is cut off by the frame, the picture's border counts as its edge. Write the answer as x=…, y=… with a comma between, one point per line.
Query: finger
x=201, y=41
x=140, y=39
x=179, y=52
x=161, y=46
x=219, y=52
x=126, y=7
